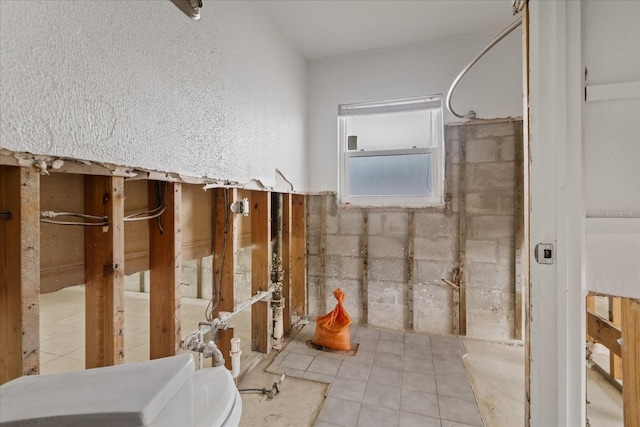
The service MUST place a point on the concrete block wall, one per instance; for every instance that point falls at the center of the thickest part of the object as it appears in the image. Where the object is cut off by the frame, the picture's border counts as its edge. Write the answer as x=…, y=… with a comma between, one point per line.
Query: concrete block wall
x=365, y=250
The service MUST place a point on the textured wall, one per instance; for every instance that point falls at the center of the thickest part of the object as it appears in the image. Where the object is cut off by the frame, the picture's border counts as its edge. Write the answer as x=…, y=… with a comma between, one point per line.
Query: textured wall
x=137, y=83
x=493, y=88
x=350, y=247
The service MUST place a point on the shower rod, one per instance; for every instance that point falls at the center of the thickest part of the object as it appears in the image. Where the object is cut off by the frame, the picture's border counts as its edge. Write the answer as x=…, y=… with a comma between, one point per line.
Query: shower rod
x=472, y=114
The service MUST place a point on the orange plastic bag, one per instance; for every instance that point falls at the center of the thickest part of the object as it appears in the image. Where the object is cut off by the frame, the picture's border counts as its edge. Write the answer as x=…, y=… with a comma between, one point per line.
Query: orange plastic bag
x=332, y=329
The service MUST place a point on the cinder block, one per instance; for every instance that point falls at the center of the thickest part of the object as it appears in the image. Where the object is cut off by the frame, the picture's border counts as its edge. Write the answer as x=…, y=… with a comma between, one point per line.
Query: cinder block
x=387, y=292
x=432, y=272
x=313, y=224
x=506, y=251
x=508, y=201
x=490, y=276
x=313, y=287
x=350, y=221
x=452, y=151
x=389, y=316
x=432, y=309
x=436, y=248
x=452, y=132
x=343, y=245
x=487, y=130
x=387, y=247
x=484, y=201
x=332, y=224
x=313, y=265
x=435, y=225
x=490, y=325
x=243, y=260
x=313, y=244
x=388, y=223
x=315, y=307
x=394, y=270
x=482, y=251
x=132, y=282
x=490, y=175
x=490, y=227
x=508, y=148
x=344, y=267
x=331, y=204
x=483, y=150
x=313, y=204
x=352, y=289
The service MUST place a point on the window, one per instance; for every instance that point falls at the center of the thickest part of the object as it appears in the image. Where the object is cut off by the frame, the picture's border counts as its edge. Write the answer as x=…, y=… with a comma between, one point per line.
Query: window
x=392, y=152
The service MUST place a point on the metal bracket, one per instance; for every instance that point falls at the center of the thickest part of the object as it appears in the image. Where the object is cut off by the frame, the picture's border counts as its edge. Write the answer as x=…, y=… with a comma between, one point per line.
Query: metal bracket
x=544, y=253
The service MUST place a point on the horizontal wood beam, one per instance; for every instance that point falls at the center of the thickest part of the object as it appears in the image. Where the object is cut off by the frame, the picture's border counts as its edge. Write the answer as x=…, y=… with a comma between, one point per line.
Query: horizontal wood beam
x=604, y=332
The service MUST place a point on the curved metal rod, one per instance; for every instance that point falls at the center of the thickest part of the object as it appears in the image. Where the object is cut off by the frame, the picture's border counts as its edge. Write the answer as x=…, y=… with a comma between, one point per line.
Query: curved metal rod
x=472, y=114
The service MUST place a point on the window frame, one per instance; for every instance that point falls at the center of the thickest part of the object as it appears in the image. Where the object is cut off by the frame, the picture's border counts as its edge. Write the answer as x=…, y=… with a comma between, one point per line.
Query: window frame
x=437, y=153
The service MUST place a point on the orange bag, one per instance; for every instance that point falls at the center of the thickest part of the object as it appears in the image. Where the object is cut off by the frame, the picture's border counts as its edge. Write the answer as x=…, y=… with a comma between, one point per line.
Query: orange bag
x=332, y=329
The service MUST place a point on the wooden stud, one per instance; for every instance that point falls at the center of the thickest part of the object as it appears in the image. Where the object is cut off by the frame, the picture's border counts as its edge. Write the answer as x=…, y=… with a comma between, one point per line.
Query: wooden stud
x=165, y=263
x=462, y=329
x=286, y=261
x=455, y=301
x=520, y=244
x=322, y=291
x=260, y=268
x=19, y=272
x=224, y=232
x=631, y=361
x=104, y=272
x=365, y=267
x=298, y=249
x=615, y=316
x=410, y=270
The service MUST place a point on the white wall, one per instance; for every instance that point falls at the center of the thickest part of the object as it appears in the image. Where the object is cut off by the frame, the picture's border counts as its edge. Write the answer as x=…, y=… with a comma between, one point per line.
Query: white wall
x=137, y=83
x=493, y=87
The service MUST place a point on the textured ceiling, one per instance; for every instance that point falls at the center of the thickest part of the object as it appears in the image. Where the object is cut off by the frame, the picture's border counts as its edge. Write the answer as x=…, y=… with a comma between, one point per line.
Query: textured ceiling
x=325, y=28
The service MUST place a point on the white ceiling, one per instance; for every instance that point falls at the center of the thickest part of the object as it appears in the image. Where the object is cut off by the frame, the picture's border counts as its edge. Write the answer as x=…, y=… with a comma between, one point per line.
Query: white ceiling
x=325, y=28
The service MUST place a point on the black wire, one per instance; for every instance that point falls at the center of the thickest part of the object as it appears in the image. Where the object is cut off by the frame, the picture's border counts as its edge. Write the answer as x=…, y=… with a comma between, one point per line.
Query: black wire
x=159, y=202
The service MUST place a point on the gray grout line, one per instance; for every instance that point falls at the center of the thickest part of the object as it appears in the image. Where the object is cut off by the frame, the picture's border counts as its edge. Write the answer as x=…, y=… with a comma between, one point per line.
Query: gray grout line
x=363, y=336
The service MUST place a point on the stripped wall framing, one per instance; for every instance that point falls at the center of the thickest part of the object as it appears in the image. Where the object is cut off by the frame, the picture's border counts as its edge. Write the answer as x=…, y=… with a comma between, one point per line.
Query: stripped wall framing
x=187, y=224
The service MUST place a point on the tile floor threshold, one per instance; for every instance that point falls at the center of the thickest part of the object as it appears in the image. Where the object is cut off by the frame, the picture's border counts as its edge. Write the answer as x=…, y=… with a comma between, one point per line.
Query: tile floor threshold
x=396, y=378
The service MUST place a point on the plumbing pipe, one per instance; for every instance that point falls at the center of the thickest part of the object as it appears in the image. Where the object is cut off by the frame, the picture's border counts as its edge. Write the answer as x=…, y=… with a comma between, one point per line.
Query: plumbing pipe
x=235, y=357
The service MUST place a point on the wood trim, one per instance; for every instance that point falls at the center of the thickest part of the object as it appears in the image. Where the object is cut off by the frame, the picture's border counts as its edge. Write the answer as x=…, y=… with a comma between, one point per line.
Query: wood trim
x=298, y=255
x=604, y=332
x=462, y=293
x=19, y=273
x=615, y=316
x=631, y=361
x=165, y=263
x=222, y=215
x=521, y=240
x=260, y=268
x=285, y=246
x=104, y=272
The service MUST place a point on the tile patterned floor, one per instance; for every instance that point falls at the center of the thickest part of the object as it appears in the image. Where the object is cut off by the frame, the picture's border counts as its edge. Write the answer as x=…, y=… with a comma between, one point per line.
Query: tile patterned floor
x=395, y=379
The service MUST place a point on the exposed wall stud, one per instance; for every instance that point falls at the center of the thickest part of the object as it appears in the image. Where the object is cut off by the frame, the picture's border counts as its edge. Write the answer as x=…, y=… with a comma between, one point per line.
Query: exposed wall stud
x=104, y=272
x=463, y=234
x=19, y=273
x=165, y=262
x=631, y=361
x=260, y=268
x=224, y=241
x=286, y=261
x=521, y=242
x=615, y=316
x=298, y=266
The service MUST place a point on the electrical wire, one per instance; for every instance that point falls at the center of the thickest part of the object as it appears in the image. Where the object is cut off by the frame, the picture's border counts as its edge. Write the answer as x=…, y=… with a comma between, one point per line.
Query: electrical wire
x=211, y=307
x=145, y=218
x=46, y=216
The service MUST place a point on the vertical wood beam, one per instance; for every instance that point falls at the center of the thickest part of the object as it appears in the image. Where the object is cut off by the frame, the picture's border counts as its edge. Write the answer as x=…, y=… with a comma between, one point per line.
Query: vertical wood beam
x=260, y=268
x=410, y=269
x=521, y=244
x=285, y=249
x=165, y=263
x=463, y=232
x=104, y=272
x=365, y=267
x=631, y=361
x=224, y=344
x=298, y=255
x=19, y=273
x=615, y=315
x=224, y=249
